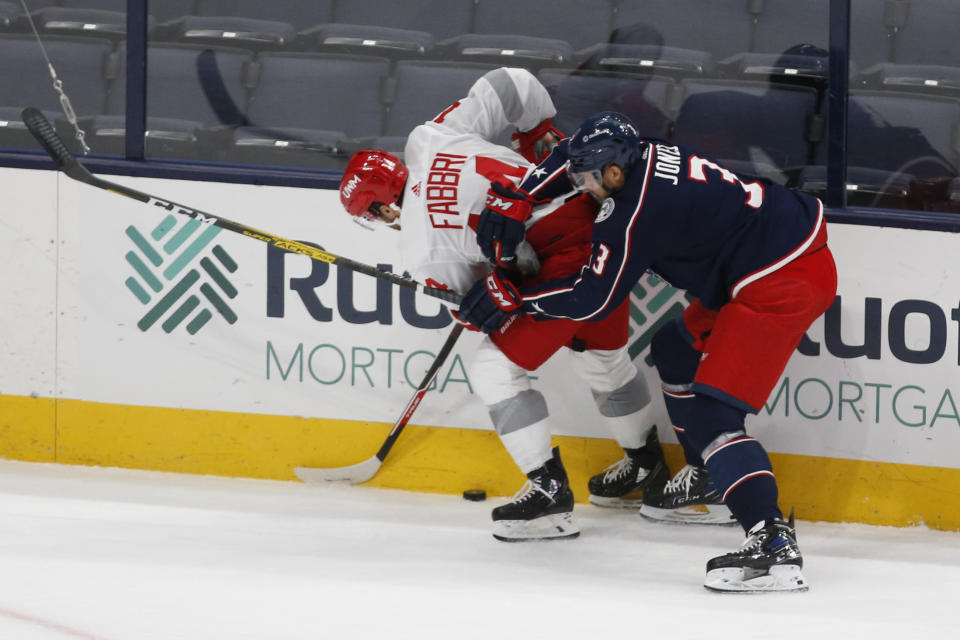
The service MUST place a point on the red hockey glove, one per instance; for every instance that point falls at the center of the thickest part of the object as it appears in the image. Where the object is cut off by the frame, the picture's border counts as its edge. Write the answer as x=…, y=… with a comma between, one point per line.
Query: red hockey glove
x=489, y=302
x=535, y=145
x=500, y=227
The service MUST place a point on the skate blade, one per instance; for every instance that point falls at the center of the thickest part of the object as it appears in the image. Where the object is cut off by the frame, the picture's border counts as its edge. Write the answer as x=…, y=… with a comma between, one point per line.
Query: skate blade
x=625, y=502
x=717, y=514
x=560, y=525
x=781, y=578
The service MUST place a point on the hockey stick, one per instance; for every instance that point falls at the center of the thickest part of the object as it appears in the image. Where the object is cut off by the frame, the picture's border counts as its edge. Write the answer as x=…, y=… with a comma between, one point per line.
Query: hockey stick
x=363, y=471
x=43, y=131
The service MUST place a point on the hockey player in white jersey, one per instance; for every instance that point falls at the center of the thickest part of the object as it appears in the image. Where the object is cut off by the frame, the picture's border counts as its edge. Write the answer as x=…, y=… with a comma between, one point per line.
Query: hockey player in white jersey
x=451, y=171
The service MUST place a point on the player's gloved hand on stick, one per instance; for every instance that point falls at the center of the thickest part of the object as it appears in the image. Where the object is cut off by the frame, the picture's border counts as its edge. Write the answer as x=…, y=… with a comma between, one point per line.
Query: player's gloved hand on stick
x=500, y=227
x=489, y=302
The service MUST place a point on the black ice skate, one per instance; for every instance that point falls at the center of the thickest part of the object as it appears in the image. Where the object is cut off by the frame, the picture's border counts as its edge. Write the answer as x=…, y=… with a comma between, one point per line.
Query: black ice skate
x=769, y=560
x=689, y=498
x=543, y=508
x=623, y=483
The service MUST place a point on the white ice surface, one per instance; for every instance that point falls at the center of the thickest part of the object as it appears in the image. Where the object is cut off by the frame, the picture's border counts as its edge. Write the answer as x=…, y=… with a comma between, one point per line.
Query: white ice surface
x=111, y=554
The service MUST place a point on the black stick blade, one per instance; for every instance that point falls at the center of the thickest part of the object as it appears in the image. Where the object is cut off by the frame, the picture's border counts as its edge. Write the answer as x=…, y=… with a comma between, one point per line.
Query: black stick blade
x=45, y=134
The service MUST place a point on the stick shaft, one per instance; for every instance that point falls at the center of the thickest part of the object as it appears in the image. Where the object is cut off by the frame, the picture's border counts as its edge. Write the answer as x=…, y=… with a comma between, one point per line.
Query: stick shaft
x=422, y=389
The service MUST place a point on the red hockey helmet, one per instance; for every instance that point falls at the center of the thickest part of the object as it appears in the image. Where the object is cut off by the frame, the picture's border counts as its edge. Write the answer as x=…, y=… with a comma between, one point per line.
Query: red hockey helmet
x=371, y=176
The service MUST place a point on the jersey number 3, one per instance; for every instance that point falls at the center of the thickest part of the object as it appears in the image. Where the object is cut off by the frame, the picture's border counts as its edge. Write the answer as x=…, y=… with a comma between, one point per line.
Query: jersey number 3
x=698, y=172
x=600, y=261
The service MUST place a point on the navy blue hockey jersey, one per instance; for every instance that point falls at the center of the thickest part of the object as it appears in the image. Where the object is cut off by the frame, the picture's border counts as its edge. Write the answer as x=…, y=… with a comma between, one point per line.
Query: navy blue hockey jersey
x=687, y=219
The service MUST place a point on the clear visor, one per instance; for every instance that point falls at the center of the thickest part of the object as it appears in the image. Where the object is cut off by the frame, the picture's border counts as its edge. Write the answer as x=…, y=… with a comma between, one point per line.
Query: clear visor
x=371, y=220
x=586, y=180
x=368, y=220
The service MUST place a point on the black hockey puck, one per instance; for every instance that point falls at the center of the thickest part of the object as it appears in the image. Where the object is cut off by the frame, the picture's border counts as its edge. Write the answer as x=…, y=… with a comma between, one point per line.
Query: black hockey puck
x=475, y=495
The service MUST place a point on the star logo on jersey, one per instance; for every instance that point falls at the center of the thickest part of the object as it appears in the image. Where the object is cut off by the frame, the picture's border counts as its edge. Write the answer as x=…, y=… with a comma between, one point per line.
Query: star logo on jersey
x=416, y=189
x=606, y=210
x=539, y=172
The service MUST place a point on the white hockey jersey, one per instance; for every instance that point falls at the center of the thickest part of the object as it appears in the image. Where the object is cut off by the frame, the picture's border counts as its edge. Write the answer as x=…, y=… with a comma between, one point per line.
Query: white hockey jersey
x=452, y=160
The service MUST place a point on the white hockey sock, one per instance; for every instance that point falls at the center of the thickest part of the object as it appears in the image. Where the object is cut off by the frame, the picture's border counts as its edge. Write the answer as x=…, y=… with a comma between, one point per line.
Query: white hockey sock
x=530, y=446
x=627, y=430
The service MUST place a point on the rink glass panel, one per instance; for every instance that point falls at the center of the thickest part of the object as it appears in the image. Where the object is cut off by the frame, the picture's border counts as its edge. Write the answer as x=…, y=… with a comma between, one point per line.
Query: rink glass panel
x=301, y=85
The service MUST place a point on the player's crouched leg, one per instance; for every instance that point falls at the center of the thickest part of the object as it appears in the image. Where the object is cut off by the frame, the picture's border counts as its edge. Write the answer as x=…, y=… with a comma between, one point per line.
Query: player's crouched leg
x=543, y=507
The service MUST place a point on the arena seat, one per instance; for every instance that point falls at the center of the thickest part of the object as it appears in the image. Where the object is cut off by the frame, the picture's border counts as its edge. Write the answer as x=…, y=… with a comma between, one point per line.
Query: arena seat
x=291, y=119
x=180, y=99
x=310, y=91
x=930, y=34
x=914, y=133
x=924, y=56
x=98, y=23
x=753, y=128
x=811, y=69
x=422, y=90
x=367, y=40
x=647, y=58
x=897, y=143
x=230, y=31
x=644, y=99
x=176, y=89
x=508, y=50
x=873, y=27
x=11, y=12
x=160, y=9
x=578, y=22
x=80, y=63
x=785, y=23
x=865, y=187
x=286, y=146
x=721, y=28
x=442, y=18
x=298, y=13
x=926, y=78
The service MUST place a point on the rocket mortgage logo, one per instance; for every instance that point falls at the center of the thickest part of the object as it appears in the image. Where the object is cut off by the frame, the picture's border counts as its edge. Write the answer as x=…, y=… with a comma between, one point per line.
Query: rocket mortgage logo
x=173, y=292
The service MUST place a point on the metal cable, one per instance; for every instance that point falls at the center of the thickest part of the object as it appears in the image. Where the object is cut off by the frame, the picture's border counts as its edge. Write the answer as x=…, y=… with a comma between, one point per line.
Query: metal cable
x=65, y=104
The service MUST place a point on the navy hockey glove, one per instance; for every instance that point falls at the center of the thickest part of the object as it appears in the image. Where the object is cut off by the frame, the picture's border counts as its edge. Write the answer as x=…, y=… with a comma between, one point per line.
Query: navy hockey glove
x=489, y=302
x=500, y=227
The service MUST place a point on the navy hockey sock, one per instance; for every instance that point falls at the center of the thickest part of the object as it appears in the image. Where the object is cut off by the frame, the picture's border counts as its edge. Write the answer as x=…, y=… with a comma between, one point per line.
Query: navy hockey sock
x=740, y=467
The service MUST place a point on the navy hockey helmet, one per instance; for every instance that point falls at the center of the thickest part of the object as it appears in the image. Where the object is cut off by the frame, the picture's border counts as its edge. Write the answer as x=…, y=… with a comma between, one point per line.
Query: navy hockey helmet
x=606, y=138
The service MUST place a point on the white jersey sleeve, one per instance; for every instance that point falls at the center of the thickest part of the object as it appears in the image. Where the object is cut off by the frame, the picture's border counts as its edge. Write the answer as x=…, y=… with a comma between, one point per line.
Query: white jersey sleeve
x=452, y=160
x=502, y=98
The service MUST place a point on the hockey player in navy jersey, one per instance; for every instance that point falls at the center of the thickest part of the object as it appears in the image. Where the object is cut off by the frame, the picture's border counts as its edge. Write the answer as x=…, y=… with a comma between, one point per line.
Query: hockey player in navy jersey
x=753, y=254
